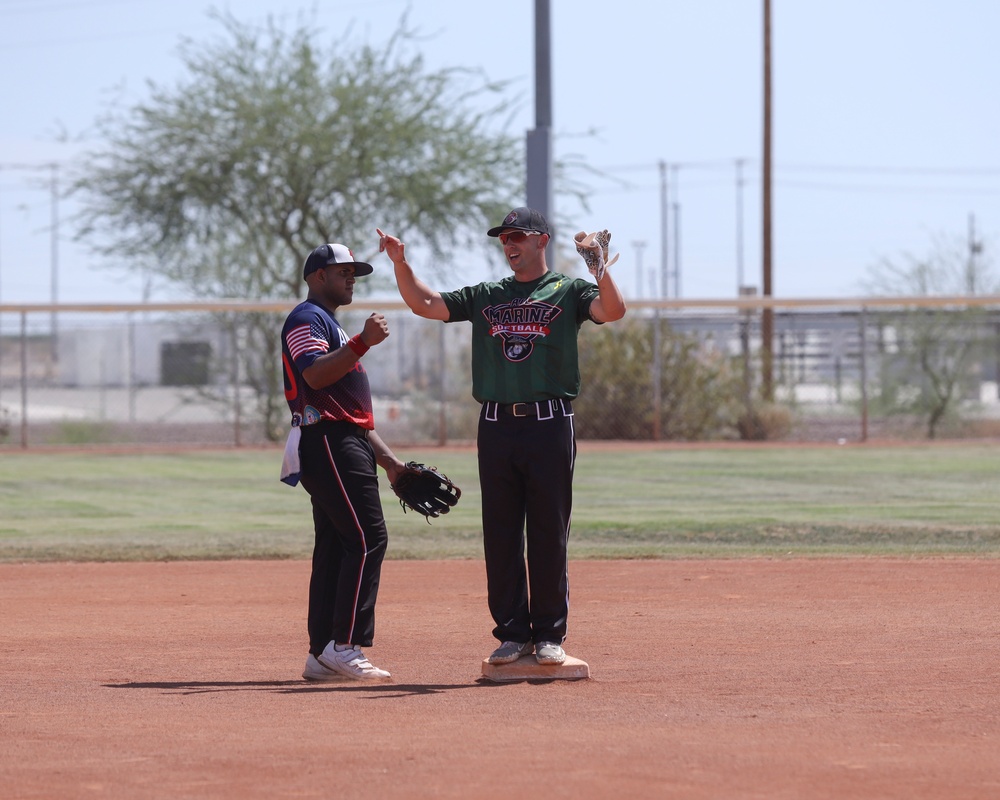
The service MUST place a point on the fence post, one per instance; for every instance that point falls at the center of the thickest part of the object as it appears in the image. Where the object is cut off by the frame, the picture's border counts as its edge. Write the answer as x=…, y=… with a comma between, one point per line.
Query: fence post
x=442, y=389
x=746, y=315
x=130, y=382
x=864, y=374
x=24, y=380
x=237, y=410
x=657, y=368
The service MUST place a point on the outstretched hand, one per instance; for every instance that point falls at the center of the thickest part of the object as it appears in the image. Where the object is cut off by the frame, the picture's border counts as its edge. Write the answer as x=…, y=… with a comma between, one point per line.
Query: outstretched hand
x=391, y=246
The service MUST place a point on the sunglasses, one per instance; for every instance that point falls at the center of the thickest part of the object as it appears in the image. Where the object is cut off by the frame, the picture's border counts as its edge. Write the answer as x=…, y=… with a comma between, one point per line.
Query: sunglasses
x=516, y=237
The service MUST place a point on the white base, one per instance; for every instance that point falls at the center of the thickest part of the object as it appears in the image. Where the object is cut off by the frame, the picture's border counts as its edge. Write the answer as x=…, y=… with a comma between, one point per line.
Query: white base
x=527, y=668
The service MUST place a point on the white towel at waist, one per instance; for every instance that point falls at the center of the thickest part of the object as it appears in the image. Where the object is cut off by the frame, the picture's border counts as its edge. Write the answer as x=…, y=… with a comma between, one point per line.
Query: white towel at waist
x=291, y=470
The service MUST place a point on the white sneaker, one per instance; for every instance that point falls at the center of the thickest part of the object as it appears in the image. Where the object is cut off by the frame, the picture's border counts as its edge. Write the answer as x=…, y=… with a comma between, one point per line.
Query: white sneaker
x=549, y=653
x=315, y=671
x=351, y=663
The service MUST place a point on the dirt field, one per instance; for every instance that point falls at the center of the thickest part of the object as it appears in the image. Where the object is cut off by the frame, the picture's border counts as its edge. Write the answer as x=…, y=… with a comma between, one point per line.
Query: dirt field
x=769, y=679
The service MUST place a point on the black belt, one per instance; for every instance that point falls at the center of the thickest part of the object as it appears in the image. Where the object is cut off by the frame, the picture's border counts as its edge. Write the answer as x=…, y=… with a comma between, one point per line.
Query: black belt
x=545, y=409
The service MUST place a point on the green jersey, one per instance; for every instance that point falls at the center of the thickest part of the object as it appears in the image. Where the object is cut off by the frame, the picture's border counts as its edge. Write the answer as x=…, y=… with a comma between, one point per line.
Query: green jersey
x=524, y=336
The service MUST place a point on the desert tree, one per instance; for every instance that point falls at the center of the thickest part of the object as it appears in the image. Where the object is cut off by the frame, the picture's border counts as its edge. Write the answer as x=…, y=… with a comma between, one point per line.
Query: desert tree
x=930, y=354
x=274, y=141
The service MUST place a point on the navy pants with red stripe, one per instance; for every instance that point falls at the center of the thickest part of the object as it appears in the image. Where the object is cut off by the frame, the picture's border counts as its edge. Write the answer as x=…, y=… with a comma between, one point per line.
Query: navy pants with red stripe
x=339, y=473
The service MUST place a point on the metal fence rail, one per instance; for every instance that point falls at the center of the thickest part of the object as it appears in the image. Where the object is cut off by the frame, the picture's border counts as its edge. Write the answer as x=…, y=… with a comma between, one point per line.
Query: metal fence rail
x=208, y=373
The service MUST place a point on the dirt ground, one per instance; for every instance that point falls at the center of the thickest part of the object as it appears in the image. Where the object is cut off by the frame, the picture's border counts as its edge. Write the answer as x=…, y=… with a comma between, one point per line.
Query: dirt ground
x=832, y=678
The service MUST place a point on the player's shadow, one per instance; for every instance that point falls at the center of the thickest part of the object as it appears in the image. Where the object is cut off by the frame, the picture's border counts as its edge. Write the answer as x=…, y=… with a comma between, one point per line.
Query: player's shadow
x=380, y=690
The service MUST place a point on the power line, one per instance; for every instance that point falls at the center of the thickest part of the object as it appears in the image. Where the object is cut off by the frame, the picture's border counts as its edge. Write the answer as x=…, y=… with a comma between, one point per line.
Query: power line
x=973, y=171
x=31, y=166
x=819, y=186
x=137, y=34
x=42, y=8
x=727, y=164
x=655, y=165
x=160, y=32
x=887, y=189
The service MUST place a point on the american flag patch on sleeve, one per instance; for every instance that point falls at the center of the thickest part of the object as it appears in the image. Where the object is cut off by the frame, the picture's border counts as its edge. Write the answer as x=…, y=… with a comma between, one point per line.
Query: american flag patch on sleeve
x=307, y=338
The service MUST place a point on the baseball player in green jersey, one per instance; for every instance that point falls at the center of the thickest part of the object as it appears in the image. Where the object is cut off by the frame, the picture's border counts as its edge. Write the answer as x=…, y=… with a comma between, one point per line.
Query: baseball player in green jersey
x=525, y=373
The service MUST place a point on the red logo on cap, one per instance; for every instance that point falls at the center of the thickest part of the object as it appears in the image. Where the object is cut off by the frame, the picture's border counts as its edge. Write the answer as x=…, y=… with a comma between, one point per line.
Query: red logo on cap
x=511, y=218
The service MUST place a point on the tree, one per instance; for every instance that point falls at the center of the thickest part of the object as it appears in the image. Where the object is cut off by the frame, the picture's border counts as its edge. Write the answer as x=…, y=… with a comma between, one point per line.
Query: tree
x=930, y=353
x=274, y=143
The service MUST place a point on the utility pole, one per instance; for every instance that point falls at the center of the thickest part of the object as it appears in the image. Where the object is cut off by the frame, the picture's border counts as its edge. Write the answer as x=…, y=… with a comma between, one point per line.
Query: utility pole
x=1, y=302
x=767, y=318
x=54, y=323
x=676, y=208
x=1, y=241
x=677, y=248
x=975, y=248
x=739, y=226
x=639, y=247
x=664, y=233
x=539, y=139
x=664, y=291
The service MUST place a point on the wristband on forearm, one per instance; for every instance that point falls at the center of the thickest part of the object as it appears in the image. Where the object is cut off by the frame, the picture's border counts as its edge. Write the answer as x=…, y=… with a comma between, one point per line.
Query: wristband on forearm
x=358, y=346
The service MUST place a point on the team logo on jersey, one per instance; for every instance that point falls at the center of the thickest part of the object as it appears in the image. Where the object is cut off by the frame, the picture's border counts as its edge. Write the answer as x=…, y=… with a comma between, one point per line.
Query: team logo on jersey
x=517, y=324
x=310, y=416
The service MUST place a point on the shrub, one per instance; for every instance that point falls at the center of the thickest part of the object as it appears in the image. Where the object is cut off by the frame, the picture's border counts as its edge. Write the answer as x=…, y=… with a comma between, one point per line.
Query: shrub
x=700, y=389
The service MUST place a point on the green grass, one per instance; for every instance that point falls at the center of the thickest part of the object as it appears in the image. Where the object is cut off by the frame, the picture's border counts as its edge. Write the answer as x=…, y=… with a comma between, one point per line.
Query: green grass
x=913, y=500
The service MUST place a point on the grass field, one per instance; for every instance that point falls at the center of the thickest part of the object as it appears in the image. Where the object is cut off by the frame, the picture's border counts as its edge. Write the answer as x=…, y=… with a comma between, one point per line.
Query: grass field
x=666, y=502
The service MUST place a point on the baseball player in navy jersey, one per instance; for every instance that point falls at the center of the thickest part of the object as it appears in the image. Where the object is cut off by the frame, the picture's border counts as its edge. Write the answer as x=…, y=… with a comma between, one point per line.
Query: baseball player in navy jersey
x=333, y=450
x=525, y=372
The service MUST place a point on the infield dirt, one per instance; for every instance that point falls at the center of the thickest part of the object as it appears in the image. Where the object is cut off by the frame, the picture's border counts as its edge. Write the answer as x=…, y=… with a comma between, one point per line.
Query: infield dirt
x=755, y=678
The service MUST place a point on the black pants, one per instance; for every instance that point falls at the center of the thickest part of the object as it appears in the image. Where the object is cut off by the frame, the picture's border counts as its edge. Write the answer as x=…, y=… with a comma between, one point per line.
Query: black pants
x=339, y=473
x=526, y=476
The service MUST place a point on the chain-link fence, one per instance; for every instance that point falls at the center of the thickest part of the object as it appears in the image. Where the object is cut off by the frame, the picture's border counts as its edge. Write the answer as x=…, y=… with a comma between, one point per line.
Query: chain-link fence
x=209, y=374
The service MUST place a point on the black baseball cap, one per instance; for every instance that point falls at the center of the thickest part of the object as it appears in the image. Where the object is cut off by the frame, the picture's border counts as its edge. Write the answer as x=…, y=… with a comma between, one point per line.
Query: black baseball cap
x=333, y=253
x=522, y=219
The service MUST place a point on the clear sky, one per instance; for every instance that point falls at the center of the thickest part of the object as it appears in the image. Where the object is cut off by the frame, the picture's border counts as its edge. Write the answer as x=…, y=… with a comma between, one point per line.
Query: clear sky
x=886, y=125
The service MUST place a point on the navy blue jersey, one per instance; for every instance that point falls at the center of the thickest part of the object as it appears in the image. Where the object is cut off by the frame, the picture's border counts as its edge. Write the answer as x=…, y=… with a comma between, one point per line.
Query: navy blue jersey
x=309, y=332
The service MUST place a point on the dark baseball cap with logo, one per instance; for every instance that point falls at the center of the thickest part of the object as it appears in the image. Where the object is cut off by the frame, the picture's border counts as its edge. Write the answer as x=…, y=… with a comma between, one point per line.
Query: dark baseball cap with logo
x=522, y=219
x=333, y=253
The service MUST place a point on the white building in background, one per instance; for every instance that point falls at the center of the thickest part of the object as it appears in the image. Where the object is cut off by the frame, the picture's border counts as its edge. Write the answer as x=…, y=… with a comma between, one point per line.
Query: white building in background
x=139, y=354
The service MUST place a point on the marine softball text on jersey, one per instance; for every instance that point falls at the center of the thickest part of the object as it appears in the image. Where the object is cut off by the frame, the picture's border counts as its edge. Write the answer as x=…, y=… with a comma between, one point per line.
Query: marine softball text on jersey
x=519, y=323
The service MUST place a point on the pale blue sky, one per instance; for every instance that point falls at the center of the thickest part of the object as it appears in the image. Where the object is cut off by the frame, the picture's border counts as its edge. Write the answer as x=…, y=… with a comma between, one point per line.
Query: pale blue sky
x=886, y=125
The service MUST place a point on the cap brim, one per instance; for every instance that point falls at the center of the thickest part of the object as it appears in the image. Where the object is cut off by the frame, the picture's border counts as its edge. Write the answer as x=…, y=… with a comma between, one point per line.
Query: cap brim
x=360, y=268
x=501, y=228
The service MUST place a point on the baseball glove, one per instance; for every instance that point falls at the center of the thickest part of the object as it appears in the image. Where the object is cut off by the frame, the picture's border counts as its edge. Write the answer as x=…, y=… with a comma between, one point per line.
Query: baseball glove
x=425, y=490
x=593, y=248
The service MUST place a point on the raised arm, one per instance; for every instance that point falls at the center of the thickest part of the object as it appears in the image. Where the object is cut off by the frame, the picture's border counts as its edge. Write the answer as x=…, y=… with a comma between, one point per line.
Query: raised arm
x=609, y=305
x=422, y=300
